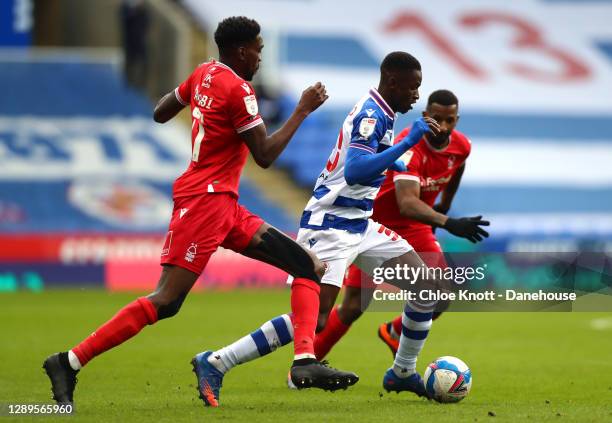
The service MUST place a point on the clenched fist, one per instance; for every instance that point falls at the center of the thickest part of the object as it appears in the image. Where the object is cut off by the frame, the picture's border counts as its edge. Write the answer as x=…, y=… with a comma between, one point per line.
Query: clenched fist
x=312, y=98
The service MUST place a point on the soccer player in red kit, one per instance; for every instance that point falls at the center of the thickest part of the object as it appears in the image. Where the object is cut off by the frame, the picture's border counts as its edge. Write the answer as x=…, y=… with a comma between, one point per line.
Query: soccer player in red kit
x=225, y=127
x=406, y=205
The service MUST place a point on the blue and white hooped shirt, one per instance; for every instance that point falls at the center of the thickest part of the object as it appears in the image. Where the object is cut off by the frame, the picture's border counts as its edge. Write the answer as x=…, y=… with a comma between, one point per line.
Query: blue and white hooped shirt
x=334, y=203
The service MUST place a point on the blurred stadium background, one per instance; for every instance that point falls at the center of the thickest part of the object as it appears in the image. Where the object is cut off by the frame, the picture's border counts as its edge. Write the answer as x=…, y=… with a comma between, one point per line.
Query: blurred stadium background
x=86, y=175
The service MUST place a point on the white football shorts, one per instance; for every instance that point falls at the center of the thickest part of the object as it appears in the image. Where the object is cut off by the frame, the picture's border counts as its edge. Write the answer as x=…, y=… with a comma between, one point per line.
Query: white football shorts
x=339, y=249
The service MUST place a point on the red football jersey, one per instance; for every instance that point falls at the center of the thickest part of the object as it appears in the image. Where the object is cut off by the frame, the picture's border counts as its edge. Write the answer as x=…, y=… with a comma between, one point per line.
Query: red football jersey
x=222, y=106
x=432, y=168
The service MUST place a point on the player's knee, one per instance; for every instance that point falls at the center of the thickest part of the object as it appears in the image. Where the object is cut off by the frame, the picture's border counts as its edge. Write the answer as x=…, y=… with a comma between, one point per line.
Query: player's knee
x=312, y=268
x=298, y=261
x=319, y=268
x=166, y=307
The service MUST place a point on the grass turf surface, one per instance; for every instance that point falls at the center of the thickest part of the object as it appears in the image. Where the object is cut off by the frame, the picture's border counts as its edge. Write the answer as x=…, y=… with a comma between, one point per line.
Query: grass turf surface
x=526, y=366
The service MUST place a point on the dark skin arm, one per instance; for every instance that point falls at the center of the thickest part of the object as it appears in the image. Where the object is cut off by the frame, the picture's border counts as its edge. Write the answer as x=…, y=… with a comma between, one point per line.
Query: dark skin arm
x=265, y=149
x=411, y=206
x=166, y=108
x=407, y=195
x=449, y=193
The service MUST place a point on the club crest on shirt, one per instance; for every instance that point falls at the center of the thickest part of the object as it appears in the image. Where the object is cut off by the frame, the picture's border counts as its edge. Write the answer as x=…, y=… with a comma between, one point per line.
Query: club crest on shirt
x=191, y=252
x=251, y=105
x=367, y=126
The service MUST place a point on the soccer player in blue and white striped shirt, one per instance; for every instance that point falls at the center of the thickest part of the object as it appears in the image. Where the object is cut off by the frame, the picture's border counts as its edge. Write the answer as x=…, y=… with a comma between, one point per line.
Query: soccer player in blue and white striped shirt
x=336, y=224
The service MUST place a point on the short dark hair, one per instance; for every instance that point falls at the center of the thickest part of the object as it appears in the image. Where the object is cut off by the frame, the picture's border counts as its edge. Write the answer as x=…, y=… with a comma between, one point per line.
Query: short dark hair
x=235, y=31
x=443, y=98
x=399, y=61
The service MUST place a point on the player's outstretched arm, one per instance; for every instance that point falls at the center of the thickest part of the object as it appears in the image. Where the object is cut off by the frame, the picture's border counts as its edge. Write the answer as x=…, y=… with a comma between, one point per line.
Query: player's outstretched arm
x=363, y=166
x=166, y=108
x=411, y=206
x=407, y=195
x=266, y=149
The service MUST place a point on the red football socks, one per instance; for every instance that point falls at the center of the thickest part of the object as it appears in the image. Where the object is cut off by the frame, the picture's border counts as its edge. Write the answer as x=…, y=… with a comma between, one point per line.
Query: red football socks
x=305, y=308
x=126, y=323
x=331, y=334
x=397, y=325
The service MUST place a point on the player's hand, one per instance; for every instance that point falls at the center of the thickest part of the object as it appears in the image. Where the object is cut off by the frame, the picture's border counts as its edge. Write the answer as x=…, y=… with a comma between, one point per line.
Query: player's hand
x=433, y=126
x=419, y=127
x=468, y=228
x=312, y=98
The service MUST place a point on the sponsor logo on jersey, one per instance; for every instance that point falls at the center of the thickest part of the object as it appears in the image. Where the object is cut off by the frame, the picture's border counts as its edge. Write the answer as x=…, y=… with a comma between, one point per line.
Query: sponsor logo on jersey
x=246, y=87
x=370, y=112
x=251, y=105
x=207, y=81
x=451, y=162
x=312, y=242
x=182, y=213
x=367, y=126
x=431, y=184
x=191, y=252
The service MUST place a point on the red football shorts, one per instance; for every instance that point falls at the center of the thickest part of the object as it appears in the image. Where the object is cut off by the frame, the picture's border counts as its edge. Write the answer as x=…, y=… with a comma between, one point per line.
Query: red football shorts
x=423, y=241
x=202, y=223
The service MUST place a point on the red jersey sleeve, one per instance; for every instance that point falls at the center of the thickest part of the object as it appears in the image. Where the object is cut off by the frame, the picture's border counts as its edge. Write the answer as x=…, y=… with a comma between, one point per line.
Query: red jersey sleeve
x=183, y=91
x=412, y=159
x=468, y=146
x=243, y=109
x=464, y=143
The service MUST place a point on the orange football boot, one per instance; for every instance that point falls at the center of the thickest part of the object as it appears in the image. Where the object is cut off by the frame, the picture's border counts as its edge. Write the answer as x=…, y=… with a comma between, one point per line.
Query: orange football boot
x=385, y=336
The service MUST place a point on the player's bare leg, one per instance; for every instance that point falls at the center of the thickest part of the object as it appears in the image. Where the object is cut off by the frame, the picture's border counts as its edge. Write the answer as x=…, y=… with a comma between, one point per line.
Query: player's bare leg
x=327, y=299
x=341, y=318
x=173, y=286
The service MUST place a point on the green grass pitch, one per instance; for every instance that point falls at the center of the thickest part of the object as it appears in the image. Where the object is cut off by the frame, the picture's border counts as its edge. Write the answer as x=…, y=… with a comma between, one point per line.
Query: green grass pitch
x=526, y=366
